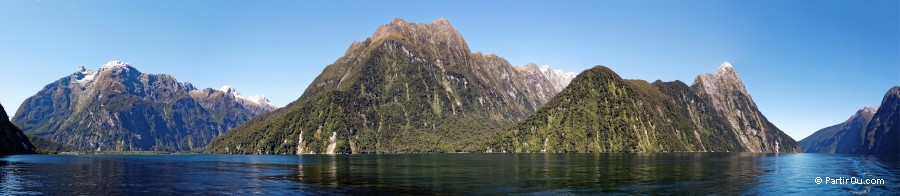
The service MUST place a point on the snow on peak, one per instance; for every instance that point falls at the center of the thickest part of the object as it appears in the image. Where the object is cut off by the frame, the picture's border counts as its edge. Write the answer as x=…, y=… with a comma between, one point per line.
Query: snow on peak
x=725, y=67
x=256, y=99
x=865, y=111
x=114, y=64
x=558, y=78
x=869, y=109
x=228, y=89
x=261, y=100
x=83, y=75
x=545, y=68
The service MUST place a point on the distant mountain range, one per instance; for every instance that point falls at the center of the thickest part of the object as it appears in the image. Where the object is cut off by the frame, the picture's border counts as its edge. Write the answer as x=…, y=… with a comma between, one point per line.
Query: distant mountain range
x=410, y=87
x=418, y=88
x=871, y=130
x=12, y=140
x=118, y=108
x=601, y=112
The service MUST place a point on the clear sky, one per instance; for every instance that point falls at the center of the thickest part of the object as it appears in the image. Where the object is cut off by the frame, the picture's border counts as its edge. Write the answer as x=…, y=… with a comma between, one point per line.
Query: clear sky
x=807, y=64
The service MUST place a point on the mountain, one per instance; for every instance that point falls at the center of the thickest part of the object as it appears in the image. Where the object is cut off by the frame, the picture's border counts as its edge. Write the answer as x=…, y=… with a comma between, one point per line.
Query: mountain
x=872, y=130
x=410, y=87
x=12, y=140
x=729, y=97
x=118, y=108
x=601, y=112
x=842, y=138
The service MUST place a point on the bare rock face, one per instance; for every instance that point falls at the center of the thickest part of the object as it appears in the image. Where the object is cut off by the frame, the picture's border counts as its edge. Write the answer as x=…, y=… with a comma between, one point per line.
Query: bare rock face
x=118, y=108
x=410, y=87
x=726, y=92
x=558, y=78
x=12, y=140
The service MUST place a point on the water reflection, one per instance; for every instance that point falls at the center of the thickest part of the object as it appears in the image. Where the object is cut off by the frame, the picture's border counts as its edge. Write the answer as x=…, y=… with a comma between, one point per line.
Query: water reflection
x=454, y=174
x=533, y=173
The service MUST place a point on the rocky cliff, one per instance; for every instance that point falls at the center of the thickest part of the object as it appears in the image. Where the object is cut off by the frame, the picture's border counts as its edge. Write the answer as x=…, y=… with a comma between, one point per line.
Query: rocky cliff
x=726, y=92
x=882, y=135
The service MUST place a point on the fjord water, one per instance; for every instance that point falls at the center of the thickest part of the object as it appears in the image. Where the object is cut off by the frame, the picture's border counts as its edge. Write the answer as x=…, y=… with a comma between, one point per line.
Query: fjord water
x=480, y=174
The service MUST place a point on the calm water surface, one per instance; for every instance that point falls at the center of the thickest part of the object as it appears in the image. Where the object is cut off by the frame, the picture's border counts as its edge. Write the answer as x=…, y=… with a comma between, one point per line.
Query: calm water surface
x=467, y=174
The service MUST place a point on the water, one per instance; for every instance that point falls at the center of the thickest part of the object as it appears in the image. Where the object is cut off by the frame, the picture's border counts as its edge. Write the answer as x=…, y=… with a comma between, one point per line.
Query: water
x=466, y=174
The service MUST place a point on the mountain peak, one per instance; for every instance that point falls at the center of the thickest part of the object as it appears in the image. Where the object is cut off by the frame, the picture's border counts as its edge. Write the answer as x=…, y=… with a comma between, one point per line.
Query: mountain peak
x=725, y=78
x=441, y=21
x=868, y=109
x=420, y=33
x=115, y=65
x=228, y=89
x=531, y=66
x=261, y=100
x=3, y=115
x=892, y=94
x=257, y=99
x=397, y=21
x=80, y=69
x=893, y=91
x=866, y=112
x=725, y=68
x=559, y=78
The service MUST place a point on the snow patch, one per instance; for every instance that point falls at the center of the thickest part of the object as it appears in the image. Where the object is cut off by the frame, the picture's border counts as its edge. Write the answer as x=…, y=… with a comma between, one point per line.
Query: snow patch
x=83, y=75
x=260, y=100
x=87, y=78
x=870, y=109
x=114, y=65
x=725, y=67
x=558, y=78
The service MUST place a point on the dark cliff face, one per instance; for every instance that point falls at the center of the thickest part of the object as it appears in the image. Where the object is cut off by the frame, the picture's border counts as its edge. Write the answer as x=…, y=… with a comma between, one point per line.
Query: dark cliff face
x=883, y=132
x=842, y=138
x=601, y=112
x=12, y=140
x=118, y=108
x=410, y=87
x=872, y=130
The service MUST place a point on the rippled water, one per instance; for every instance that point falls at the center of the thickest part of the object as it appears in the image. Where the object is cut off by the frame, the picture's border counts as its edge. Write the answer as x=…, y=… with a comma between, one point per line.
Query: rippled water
x=478, y=174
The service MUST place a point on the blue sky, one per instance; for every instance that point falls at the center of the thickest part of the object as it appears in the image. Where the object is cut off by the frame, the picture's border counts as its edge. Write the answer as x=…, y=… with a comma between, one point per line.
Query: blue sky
x=807, y=64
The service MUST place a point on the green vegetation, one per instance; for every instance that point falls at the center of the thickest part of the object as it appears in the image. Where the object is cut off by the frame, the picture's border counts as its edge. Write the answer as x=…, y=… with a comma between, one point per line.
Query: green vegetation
x=384, y=112
x=600, y=112
x=393, y=94
x=45, y=146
